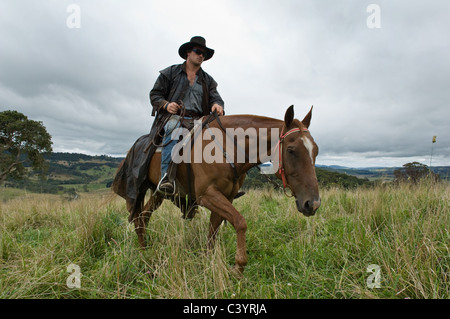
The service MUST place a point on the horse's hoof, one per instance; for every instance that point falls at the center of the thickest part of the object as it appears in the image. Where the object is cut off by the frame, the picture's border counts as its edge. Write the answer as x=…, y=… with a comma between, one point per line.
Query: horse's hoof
x=237, y=272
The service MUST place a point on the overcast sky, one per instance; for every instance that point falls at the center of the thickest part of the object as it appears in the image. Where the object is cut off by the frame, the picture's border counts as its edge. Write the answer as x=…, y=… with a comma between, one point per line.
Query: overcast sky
x=379, y=83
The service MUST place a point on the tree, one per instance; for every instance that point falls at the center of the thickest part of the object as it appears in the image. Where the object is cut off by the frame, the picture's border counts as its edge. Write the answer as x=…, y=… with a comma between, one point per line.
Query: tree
x=413, y=172
x=22, y=141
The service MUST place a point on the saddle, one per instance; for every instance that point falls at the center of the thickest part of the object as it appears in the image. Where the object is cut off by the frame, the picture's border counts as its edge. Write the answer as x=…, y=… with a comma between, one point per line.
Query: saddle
x=131, y=182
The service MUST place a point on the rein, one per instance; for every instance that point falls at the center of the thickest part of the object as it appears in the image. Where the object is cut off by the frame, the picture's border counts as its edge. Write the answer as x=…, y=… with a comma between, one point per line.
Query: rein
x=280, y=157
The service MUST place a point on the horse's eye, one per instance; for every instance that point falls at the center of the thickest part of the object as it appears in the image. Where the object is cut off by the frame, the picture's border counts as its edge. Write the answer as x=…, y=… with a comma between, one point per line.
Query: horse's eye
x=290, y=150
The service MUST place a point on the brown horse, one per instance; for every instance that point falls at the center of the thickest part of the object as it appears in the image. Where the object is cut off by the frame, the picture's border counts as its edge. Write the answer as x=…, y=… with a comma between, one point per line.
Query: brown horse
x=215, y=185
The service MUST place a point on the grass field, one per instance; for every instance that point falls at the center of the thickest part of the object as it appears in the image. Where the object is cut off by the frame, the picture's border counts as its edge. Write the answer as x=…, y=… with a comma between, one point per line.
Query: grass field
x=404, y=230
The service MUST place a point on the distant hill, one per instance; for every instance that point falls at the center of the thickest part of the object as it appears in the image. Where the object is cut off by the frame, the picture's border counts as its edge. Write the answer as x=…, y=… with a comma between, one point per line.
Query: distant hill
x=385, y=173
x=371, y=173
x=69, y=173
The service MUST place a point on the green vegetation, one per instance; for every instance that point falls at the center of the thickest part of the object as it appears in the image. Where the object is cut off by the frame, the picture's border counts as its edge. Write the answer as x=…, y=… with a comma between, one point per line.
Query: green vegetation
x=71, y=173
x=22, y=142
x=413, y=173
x=325, y=177
x=404, y=229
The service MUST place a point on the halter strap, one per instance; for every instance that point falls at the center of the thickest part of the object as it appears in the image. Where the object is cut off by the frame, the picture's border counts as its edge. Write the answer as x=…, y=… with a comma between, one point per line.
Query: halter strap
x=280, y=145
x=297, y=129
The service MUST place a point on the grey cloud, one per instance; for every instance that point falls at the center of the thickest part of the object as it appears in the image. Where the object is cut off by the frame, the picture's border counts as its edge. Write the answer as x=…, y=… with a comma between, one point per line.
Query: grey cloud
x=378, y=94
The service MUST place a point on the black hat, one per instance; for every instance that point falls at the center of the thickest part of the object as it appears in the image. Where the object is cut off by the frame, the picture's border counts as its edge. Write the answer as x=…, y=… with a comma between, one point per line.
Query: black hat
x=195, y=41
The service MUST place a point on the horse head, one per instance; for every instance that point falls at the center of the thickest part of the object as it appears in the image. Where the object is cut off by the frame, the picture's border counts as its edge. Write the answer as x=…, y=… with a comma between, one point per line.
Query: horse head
x=297, y=156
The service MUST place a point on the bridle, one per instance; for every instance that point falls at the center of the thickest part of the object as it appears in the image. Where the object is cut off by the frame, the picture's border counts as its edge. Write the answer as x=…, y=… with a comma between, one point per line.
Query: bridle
x=280, y=158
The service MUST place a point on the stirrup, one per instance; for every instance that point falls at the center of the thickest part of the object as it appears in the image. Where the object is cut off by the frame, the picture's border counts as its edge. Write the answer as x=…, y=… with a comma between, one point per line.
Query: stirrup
x=162, y=191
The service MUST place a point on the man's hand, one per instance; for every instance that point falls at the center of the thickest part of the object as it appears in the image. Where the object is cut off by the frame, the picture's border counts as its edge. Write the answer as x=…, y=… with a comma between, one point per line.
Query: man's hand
x=218, y=108
x=173, y=108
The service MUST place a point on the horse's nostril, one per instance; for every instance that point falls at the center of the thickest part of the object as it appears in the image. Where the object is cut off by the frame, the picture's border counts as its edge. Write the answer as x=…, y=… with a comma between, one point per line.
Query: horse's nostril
x=311, y=205
x=308, y=205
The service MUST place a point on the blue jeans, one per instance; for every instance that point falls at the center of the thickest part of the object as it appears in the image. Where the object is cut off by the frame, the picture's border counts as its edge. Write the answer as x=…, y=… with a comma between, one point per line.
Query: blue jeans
x=166, y=154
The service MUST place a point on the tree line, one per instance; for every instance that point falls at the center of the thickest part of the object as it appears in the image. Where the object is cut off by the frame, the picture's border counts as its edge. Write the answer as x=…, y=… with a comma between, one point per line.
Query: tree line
x=325, y=178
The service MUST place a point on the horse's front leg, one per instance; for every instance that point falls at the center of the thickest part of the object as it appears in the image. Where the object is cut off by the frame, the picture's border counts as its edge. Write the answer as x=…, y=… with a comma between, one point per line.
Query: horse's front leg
x=220, y=205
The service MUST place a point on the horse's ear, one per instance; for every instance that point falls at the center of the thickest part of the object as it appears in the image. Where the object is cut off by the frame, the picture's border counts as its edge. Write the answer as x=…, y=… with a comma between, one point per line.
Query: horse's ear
x=307, y=120
x=289, y=116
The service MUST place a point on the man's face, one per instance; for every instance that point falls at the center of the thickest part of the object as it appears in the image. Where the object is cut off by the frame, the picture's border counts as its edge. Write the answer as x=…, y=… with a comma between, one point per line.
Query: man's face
x=196, y=56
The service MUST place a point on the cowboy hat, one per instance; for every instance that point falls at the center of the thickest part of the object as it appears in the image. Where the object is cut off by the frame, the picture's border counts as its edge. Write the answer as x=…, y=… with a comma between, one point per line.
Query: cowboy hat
x=195, y=41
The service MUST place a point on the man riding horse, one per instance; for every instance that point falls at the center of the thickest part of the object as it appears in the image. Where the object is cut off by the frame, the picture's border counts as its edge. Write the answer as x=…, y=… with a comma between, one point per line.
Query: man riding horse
x=186, y=84
x=186, y=91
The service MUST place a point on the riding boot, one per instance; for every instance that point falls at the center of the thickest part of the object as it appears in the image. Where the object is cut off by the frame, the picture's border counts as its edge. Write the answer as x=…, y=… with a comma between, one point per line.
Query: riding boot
x=172, y=171
x=165, y=186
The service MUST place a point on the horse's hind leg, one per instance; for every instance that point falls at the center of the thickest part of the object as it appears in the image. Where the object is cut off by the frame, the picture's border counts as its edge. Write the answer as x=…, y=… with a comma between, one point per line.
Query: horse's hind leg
x=214, y=224
x=141, y=221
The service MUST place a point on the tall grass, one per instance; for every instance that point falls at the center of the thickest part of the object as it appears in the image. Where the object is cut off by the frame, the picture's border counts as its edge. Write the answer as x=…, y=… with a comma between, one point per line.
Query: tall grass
x=403, y=229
